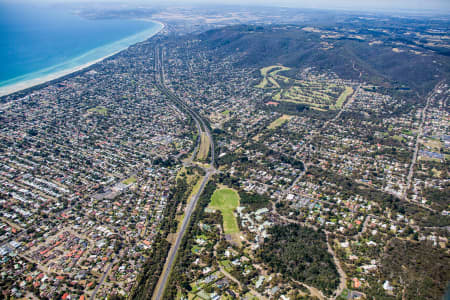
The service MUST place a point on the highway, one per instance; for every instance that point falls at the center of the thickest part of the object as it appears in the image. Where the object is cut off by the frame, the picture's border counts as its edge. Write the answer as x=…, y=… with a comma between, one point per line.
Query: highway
x=202, y=128
x=159, y=292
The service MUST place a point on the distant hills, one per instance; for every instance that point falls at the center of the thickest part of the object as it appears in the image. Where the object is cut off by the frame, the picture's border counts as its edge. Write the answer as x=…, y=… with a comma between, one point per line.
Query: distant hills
x=370, y=57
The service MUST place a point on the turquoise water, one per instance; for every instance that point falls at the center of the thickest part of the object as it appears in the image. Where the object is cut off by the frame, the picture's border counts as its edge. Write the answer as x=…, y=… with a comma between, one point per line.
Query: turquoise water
x=38, y=41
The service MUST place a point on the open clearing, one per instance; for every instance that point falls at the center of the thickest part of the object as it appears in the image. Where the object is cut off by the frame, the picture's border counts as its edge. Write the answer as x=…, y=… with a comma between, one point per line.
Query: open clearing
x=318, y=94
x=433, y=144
x=226, y=200
x=204, y=147
x=280, y=121
x=101, y=110
x=190, y=176
x=436, y=173
x=274, y=70
x=256, y=137
x=398, y=138
x=130, y=180
x=318, y=108
x=195, y=188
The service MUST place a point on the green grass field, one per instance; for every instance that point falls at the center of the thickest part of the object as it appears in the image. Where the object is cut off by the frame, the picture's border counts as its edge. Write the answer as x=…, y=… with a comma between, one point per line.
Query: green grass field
x=398, y=138
x=274, y=82
x=280, y=121
x=323, y=95
x=196, y=187
x=263, y=83
x=265, y=71
x=433, y=144
x=268, y=73
x=343, y=97
x=101, y=110
x=130, y=180
x=226, y=201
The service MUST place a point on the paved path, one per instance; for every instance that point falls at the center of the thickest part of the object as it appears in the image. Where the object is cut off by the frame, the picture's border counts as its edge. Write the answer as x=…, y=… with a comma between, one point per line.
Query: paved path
x=342, y=275
x=229, y=276
x=312, y=290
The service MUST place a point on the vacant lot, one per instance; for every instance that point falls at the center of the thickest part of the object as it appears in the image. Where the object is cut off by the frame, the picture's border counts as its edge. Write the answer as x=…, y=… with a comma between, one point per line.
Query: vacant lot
x=432, y=144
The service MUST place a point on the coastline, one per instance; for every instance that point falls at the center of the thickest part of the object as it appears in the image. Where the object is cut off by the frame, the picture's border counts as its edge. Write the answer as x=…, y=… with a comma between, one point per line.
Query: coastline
x=40, y=80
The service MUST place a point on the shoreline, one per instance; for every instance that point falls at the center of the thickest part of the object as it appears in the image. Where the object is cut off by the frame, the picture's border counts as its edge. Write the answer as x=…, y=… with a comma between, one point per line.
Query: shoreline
x=30, y=83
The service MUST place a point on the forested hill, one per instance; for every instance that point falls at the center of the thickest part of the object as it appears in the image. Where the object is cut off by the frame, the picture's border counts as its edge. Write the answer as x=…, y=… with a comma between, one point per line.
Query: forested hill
x=351, y=53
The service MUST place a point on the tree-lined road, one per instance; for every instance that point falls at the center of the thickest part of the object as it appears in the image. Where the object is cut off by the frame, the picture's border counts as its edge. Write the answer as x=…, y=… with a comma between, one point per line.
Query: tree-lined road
x=202, y=128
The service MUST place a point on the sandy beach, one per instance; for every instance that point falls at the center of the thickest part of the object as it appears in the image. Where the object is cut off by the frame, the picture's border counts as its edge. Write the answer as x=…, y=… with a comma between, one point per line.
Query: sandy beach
x=25, y=84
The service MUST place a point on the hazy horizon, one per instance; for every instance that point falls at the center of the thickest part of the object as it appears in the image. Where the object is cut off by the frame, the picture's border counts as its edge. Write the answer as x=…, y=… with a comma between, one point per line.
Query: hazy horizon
x=438, y=6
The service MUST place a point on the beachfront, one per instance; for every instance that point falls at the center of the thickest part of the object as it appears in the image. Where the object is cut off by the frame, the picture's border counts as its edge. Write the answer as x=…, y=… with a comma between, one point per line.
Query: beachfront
x=76, y=64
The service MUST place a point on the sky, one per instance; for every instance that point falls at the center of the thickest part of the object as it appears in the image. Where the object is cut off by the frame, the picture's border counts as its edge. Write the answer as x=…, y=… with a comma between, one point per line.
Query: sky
x=441, y=6
x=348, y=4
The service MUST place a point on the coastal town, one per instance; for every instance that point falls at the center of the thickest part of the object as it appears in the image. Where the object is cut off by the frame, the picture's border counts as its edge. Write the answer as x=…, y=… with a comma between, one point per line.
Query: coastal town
x=339, y=174
x=84, y=183
x=309, y=185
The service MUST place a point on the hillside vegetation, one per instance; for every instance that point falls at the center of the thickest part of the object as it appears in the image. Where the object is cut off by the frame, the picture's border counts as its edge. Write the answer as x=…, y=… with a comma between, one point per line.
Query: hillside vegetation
x=349, y=58
x=301, y=253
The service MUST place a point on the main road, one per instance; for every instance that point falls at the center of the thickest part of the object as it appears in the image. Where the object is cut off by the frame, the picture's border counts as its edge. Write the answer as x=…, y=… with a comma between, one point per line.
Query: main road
x=423, y=115
x=202, y=128
x=103, y=278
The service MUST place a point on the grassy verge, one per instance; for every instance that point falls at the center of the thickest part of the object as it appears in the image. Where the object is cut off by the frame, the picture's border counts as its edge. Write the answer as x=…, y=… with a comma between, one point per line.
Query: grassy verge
x=194, y=191
x=204, y=147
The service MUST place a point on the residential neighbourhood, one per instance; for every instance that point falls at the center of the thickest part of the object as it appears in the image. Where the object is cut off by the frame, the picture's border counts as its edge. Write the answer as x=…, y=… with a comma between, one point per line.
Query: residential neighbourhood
x=271, y=182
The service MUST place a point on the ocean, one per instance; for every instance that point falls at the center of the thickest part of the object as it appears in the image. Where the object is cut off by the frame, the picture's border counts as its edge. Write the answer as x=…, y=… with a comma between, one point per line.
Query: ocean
x=38, y=42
